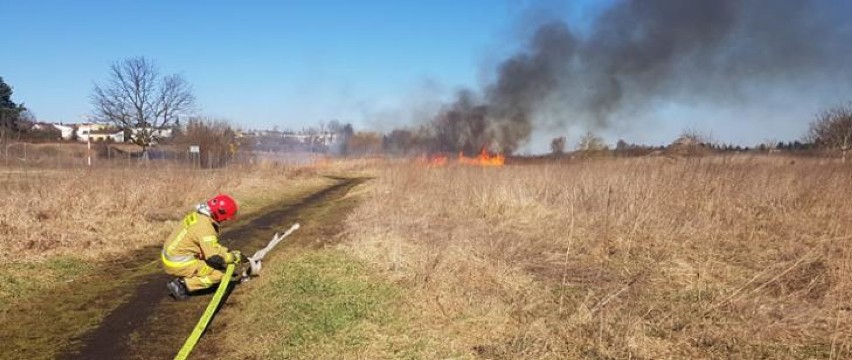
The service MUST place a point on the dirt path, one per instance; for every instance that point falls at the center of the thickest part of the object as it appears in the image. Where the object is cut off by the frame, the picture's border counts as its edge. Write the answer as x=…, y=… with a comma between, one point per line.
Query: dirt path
x=148, y=324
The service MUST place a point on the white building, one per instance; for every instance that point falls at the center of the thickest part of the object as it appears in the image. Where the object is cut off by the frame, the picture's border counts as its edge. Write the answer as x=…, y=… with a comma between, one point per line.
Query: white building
x=157, y=134
x=98, y=132
x=66, y=131
x=107, y=135
x=85, y=129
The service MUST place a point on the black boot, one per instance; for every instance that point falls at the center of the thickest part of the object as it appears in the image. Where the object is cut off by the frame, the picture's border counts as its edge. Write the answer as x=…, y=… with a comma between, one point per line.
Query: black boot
x=177, y=289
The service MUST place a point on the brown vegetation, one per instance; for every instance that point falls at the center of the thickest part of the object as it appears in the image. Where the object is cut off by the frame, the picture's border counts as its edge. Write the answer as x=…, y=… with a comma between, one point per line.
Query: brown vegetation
x=365, y=143
x=103, y=212
x=216, y=141
x=725, y=257
x=832, y=130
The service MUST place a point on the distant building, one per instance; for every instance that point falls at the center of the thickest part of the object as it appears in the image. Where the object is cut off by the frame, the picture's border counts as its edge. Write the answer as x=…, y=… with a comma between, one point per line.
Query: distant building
x=158, y=133
x=66, y=131
x=90, y=132
x=86, y=129
x=112, y=135
x=303, y=137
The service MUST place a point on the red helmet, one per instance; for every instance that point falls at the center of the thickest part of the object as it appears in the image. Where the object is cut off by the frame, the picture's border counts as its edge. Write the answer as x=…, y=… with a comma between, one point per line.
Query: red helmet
x=222, y=207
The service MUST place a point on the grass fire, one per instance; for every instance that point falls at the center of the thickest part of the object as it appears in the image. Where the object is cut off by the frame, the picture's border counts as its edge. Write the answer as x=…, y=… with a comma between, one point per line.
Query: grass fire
x=483, y=159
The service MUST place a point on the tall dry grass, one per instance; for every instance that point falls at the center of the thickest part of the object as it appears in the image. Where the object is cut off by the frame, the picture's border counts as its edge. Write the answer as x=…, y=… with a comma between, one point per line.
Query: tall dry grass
x=106, y=212
x=736, y=257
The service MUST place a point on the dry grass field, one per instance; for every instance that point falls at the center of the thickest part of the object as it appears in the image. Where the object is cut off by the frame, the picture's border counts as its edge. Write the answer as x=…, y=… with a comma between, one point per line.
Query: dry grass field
x=717, y=257
x=603, y=258
x=103, y=212
x=57, y=225
x=80, y=242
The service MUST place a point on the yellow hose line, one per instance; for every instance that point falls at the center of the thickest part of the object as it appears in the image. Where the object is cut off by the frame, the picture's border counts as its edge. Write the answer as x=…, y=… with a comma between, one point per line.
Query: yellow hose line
x=208, y=314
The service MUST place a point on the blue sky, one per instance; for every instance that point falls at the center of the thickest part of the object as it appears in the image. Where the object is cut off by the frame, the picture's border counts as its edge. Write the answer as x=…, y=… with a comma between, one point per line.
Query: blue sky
x=292, y=64
x=263, y=64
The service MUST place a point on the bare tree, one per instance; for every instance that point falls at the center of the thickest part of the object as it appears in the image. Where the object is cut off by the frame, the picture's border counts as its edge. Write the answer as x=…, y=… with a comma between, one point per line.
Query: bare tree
x=216, y=139
x=139, y=101
x=557, y=145
x=693, y=137
x=832, y=129
x=591, y=142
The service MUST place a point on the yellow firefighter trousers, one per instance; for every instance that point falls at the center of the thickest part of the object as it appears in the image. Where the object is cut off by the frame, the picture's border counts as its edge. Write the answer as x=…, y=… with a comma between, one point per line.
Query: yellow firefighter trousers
x=198, y=275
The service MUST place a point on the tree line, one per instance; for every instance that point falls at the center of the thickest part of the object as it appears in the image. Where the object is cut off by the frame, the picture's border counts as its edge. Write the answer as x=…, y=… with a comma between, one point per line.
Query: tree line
x=137, y=98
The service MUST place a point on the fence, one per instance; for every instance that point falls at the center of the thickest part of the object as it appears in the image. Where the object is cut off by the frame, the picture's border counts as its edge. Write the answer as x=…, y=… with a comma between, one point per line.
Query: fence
x=73, y=155
x=68, y=155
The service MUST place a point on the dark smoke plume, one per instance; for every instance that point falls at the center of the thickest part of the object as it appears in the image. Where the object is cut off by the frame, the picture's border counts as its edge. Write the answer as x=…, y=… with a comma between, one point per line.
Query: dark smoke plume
x=637, y=53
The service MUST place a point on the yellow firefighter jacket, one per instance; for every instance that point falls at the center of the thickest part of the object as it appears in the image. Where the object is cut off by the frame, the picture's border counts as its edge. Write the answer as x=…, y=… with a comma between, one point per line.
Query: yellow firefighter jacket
x=193, y=241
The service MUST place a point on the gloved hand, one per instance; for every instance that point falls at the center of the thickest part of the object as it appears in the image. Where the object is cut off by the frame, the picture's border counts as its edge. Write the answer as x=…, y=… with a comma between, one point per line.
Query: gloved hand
x=238, y=256
x=216, y=262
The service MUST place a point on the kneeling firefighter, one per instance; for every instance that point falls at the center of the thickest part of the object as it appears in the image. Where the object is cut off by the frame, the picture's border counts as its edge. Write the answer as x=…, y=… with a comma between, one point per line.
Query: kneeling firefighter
x=192, y=252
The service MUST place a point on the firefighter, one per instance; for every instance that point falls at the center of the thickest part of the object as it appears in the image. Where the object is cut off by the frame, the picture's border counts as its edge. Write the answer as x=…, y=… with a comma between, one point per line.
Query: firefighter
x=192, y=252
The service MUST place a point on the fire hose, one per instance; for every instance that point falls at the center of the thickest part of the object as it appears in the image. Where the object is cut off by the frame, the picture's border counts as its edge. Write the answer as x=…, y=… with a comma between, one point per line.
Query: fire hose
x=207, y=316
x=253, y=269
x=255, y=260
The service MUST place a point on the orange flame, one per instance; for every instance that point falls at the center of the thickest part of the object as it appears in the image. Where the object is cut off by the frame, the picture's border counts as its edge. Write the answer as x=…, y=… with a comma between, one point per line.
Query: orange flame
x=483, y=159
x=320, y=161
x=438, y=160
x=432, y=161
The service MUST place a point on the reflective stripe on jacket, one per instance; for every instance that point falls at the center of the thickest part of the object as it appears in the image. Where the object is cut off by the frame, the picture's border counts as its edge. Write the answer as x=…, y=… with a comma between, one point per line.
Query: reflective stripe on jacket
x=195, y=238
x=177, y=261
